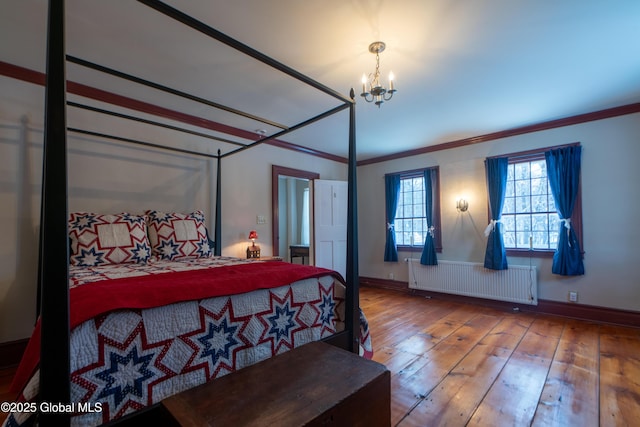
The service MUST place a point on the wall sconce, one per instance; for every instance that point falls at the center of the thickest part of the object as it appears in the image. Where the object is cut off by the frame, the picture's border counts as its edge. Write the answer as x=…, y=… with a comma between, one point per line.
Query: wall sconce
x=253, y=251
x=462, y=205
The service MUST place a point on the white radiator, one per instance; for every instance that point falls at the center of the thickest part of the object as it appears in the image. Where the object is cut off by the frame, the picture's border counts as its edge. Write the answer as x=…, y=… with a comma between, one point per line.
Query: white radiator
x=517, y=284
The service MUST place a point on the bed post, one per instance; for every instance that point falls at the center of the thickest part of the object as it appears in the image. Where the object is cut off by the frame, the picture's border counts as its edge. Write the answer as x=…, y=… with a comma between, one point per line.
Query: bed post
x=54, y=253
x=353, y=293
x=218, y=226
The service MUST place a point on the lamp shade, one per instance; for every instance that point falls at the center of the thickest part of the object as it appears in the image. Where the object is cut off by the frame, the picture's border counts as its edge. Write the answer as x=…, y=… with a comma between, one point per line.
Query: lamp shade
x=253, y=235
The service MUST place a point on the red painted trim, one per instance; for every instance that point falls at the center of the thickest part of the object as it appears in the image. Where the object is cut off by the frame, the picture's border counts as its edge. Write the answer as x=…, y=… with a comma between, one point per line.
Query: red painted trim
x=567, y=121
x=576, y=311
x=145, y=107
x=20, y=73
x=36, y=77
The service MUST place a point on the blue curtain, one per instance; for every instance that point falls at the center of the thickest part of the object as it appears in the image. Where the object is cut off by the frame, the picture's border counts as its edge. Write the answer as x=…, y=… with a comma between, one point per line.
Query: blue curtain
x=495, y=257
x=391, y=190
x=563, y=170
x=429, y=251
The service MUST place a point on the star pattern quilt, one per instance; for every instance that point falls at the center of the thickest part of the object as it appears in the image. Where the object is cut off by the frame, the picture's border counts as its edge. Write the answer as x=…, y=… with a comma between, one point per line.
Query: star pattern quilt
x=123, y=360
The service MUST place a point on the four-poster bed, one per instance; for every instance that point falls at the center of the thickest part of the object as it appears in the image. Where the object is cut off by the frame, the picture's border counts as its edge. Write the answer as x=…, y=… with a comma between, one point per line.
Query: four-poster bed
x=58, y=315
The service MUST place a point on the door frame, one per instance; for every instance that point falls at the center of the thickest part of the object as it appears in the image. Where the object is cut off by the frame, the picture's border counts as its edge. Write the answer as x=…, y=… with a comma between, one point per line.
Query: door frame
x=277, y=171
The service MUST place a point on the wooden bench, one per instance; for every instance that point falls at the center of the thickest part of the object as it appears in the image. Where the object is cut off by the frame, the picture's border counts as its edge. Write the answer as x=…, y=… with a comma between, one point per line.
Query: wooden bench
x=316, y=384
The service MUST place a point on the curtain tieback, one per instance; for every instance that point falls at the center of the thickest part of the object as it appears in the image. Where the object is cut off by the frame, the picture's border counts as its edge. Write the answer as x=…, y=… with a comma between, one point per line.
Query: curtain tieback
x=491, y=227
x=389, y=226
x=430, y=230
x=567, y=225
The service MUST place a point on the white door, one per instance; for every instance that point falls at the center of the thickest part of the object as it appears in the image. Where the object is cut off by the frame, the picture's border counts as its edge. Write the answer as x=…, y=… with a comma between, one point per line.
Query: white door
x=330, y=224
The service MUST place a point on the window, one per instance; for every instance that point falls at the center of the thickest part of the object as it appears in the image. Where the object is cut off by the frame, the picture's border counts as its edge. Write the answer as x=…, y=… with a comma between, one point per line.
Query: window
x=529, y=216
x=410, y=224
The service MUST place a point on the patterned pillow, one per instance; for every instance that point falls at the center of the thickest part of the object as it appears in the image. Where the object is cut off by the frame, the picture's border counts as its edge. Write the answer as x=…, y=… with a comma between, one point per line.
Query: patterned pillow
x=178, y=236
x=108, y=239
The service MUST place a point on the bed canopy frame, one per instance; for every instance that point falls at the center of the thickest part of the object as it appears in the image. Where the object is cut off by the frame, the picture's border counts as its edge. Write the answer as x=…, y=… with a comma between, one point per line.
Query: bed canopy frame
x=53, y=272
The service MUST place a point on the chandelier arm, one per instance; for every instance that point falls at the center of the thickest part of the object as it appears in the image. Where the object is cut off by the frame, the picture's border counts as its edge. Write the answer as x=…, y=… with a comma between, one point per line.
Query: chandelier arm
x=367, y=96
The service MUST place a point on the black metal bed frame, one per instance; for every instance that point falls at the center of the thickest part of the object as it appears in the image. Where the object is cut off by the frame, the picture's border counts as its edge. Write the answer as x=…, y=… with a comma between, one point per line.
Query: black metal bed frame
x=53, y=271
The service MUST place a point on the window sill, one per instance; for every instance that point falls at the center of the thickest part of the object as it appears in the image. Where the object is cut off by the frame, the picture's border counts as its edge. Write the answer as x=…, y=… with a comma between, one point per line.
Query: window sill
x=414, y=249
x=534, y=253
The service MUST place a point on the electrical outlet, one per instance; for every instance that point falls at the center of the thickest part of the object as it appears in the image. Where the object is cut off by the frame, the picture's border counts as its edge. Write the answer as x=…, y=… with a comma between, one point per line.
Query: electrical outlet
x=392, y=276
x=573, y=296
x=261, y=219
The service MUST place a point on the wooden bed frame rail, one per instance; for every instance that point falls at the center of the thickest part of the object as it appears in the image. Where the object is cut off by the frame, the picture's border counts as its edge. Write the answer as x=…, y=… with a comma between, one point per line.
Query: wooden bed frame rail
x=53, y=270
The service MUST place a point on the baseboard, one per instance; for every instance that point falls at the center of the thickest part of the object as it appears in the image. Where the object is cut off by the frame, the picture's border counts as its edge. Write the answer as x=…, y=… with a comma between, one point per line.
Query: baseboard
x=11, y=352
x=556, y=308
x=590, y=312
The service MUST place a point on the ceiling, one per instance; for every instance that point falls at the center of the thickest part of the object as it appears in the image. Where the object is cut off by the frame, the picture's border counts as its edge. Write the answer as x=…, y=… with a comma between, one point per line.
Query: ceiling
x=463, y=68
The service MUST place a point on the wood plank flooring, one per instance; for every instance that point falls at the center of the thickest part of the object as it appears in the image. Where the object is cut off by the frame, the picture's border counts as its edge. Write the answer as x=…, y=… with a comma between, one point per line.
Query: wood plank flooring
x=458, y=364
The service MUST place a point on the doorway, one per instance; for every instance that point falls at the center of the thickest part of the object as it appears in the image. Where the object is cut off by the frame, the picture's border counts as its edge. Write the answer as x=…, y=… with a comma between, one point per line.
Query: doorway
x=289, y=189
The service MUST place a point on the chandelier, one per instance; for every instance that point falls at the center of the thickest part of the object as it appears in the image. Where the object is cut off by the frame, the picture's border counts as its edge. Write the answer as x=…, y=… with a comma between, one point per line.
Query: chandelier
x=376, y=93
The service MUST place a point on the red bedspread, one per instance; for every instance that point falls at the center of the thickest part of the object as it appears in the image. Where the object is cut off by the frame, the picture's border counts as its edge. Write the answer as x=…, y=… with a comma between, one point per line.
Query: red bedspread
x=89, y=301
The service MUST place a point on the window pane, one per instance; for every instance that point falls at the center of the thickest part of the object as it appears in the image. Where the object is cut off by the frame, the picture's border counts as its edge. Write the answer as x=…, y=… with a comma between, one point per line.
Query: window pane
x=509, y=239
x=523, y=188
x=510, y=189
x=551, y=203
x=509, y=205
x=510, y=173
x=418, y=210
x=539, y=186
x=540, y=240
x=523, y=204
x=416, y=197
x=539, y=203
x=407, y=226
x=398, y=226
x=522, y=171
x=418, y=239
x=554, y=227
x=417, y=183
x=522, y=239
x=539, y=222
x=508, y=223
x=523, y=223
x=406, y=238
x=539, y=169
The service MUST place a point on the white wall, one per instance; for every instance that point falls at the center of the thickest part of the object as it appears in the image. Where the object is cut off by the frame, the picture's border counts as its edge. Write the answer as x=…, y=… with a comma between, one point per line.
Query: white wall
x=610, y=173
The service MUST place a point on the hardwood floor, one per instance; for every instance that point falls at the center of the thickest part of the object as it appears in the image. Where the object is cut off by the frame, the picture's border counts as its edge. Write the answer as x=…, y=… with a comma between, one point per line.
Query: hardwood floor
x=458, y=364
